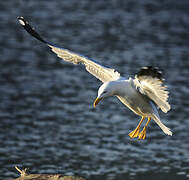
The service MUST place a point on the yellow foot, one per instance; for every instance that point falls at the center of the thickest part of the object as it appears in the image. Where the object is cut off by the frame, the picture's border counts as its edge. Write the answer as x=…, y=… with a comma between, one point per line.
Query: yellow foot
x=134, y=133
x=142, y=134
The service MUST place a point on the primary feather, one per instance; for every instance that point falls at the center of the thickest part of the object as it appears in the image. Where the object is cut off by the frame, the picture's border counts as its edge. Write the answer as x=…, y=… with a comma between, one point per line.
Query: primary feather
x=100, y=72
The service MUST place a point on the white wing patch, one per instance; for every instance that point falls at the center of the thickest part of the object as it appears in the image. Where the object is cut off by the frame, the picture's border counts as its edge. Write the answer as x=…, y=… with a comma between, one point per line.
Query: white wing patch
x=154, y=89
x=100, y=72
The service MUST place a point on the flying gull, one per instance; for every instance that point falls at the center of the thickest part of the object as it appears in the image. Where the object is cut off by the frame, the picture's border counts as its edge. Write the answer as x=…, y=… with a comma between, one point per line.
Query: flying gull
x=143, y=95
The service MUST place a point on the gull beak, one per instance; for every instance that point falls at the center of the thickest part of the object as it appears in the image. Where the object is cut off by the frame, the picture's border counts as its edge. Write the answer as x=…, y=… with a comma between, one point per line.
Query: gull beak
x=97, y=101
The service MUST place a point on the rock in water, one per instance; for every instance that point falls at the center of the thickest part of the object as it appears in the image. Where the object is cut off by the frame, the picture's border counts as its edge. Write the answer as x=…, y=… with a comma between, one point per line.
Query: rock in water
x=25, y=176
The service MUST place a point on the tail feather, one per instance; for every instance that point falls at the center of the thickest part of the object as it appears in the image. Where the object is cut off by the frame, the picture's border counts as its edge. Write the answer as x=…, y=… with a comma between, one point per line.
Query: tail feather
x=156, y=118
x=165, y=129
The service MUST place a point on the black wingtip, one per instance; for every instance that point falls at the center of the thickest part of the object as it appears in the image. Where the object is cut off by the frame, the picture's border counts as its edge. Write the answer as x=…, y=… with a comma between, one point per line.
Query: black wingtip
x=29, y=29
x=150, y=71
x=21, y=20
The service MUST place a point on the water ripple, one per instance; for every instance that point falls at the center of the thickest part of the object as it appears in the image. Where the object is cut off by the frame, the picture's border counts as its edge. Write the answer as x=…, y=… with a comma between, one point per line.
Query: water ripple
x=48, y=123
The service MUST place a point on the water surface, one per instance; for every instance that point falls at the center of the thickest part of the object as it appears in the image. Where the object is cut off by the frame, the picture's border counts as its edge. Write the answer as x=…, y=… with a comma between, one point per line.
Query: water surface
x=47, y=120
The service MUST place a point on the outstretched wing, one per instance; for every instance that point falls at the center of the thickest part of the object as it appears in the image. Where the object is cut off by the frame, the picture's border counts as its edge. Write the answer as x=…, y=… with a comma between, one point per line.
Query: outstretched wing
x=149, y=82
x=100, y=72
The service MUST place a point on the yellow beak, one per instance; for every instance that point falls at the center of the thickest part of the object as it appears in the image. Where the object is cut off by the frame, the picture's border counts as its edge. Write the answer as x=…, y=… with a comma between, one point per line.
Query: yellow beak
x=97, y=101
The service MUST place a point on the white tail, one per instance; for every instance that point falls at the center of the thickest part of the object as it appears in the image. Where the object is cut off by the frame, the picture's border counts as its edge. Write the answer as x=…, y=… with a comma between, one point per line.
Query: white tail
x=156, y=118
x=165, y=129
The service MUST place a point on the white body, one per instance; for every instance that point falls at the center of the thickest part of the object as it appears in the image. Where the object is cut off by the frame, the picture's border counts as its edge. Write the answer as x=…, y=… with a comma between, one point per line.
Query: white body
x=129, y=95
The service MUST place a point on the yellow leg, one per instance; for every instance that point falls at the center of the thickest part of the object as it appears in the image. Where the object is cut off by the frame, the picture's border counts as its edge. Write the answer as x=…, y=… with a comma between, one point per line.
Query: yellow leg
x=135, y=133
x=142, y=134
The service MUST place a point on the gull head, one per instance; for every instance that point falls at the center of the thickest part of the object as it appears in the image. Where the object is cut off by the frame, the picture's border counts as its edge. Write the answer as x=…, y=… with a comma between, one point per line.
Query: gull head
x=107, y=89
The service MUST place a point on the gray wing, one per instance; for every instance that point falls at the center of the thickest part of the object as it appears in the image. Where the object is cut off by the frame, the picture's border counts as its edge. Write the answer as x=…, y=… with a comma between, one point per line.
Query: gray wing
x=154, y=89
x=100, y=72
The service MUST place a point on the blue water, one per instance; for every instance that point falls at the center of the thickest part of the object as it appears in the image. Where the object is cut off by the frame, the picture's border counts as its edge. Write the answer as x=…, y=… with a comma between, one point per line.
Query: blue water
x=47, y=120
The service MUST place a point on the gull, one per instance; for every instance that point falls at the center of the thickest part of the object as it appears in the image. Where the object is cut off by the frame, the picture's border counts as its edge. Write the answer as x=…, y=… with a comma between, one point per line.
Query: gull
x=144, y=94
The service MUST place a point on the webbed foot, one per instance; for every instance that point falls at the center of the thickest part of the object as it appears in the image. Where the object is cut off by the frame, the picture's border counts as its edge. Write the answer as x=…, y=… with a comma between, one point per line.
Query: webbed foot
x=142, y=134
x=135, y=133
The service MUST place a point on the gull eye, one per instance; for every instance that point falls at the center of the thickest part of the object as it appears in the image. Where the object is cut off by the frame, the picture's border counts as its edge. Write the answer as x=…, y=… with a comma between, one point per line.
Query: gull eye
x=104, y=92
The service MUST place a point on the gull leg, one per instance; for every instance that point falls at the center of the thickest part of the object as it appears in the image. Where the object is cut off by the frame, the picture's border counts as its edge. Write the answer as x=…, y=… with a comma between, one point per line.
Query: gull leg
x=142, y=134
x=135, y=133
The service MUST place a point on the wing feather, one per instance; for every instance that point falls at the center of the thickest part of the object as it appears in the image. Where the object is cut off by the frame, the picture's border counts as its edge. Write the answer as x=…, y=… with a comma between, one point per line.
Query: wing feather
x=150, y=83
x=154, y=89
x=100, y=72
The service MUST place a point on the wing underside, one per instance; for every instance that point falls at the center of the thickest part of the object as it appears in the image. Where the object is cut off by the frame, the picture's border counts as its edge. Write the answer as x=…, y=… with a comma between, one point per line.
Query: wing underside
x=150, y=84
x=100, y=72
